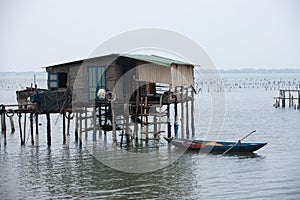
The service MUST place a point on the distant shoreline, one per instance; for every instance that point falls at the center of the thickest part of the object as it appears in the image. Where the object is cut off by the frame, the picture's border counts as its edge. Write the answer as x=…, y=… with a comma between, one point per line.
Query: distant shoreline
x=222, y=71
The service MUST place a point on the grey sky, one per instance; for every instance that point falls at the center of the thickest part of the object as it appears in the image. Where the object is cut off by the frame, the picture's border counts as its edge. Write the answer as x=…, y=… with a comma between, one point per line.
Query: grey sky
x=235, y=33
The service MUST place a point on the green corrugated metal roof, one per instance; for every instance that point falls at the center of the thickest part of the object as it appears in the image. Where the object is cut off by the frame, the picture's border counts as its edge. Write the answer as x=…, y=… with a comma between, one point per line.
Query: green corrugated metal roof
x=155, y=59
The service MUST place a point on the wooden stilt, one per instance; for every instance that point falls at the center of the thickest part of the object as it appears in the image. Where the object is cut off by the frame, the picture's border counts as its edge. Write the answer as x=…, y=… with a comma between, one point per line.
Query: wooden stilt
x=31, y=128
x=76, y=127
x=155, y=127
x=290, y=99
x=146, y=119
x=24, y=130
x=182, y=113
x=142, y=120
x=64, y=127
x=113, y=119
x=105, y=121
x=168, y=120
x=192, y=114
x=3, y=122
x=36, y=123
x=283, y=98
x=85, y=123
x=137, y=99
x=175, y=115
x=100, y=120
x=69, y=122
x=80, y=128
x=48, y=129
x=20, y=128
x=187, y=114
x=126, y=116
x=94, y=124
x=159, y=123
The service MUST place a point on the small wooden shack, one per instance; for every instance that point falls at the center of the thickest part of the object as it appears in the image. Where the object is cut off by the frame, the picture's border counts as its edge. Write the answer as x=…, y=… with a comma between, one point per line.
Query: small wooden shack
x=136, y=88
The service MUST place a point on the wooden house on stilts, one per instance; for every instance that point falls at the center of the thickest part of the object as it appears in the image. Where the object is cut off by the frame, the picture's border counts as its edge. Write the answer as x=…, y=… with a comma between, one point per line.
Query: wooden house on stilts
x=132, y=96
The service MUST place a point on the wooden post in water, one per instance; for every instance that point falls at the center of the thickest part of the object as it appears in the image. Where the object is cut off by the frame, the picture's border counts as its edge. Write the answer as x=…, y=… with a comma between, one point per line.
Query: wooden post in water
x=113, y=121
x=3, y=126
x=169, y=120
x=182, y=114
x=24, y=130
x=192, y=113
x=31, y=128
x=290, y=99
x=85, y=123
x=3, y=122
x=146, y=115
x=20, y=128
x=283, y=98
x=69, y=122
x=76, y=127
x=175, y=115
x=94, y=124
x=126, y=118
x=100, y=120
x=64, y=127
x=105, y=121
x=187, y=114
x=80, y=128
x=142, y=121
x=159, y=122
x=137, y=102
x=36, y=123
x=155, y=127
x=48, y=129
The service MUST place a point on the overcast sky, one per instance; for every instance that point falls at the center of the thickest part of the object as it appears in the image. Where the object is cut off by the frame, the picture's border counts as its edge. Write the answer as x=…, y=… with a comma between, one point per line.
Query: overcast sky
x=234, y=33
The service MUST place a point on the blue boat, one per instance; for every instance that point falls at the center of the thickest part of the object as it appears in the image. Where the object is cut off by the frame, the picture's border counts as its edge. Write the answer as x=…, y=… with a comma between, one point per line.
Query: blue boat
x=215, y=146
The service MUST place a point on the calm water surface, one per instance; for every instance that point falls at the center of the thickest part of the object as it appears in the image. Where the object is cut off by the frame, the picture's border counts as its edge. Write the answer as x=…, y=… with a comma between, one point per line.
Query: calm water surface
x=67, y=171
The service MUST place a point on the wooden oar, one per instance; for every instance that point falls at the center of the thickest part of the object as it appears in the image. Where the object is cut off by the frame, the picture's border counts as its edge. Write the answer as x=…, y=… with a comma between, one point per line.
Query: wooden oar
x=238, y=142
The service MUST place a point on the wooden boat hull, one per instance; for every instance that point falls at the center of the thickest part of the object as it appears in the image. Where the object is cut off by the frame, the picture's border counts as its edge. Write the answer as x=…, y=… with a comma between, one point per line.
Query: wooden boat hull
x=215, y=146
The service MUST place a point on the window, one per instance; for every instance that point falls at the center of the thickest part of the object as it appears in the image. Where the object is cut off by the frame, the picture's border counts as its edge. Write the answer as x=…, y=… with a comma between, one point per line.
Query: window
x=52, y=80
x=96, y=80
x=57, y=80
